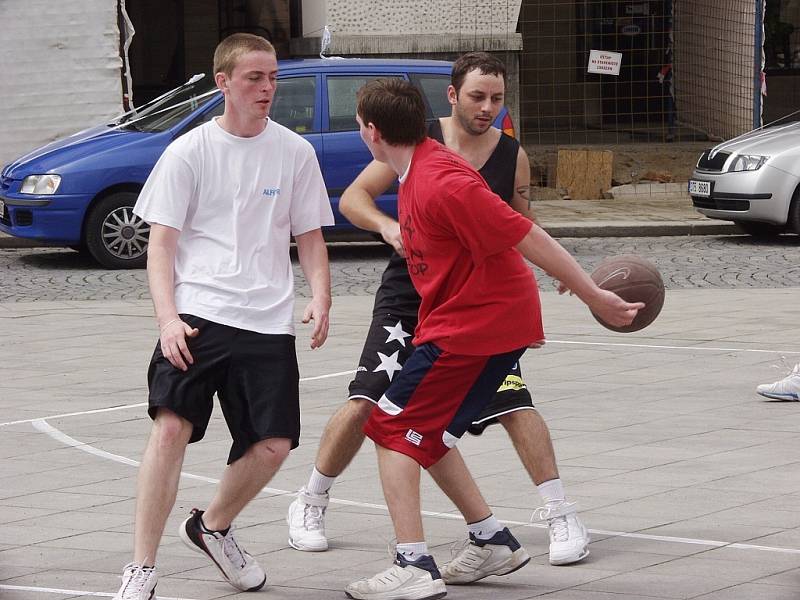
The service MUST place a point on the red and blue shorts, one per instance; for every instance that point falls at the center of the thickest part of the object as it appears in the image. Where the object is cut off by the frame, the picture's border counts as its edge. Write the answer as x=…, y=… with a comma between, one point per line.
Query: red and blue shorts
x=434, y=399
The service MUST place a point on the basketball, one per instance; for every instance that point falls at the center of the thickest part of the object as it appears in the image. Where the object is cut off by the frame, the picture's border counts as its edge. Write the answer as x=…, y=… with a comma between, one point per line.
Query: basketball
x=633, y=279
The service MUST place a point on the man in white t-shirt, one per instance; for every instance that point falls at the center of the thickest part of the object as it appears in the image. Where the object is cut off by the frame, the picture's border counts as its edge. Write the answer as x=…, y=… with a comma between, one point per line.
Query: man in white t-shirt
x=222, y=202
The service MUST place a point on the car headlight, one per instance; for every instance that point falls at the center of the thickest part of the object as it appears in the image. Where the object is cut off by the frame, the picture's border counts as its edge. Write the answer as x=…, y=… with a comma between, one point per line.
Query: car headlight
x=40, y=184
x=747, y=162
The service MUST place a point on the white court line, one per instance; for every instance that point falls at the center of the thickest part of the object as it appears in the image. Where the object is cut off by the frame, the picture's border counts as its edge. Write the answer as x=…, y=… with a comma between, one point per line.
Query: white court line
x=140, y=404
x=350, y=372
x=44, y=427
x=28, y=588
x=660, y=347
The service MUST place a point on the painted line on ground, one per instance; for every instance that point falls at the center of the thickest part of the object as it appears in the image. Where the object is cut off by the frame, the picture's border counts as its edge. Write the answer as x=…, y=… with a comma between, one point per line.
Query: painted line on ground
x=664, y=347
x=140, y=404
x=46, y=590
x=352, y=371
x=44, y=427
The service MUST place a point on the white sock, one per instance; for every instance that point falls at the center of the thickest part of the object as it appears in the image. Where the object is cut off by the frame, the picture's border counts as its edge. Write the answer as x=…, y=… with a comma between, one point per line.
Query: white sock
x=485, y=530
x=319, y=483
x=552, y=491
x=413, y=550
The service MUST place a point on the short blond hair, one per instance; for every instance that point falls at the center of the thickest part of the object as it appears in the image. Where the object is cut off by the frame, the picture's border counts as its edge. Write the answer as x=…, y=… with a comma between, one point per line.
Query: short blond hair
x=233, y=47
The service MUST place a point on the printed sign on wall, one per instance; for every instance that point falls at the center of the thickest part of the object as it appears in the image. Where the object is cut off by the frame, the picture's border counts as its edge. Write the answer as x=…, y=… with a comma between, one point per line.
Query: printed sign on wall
x=605, y=63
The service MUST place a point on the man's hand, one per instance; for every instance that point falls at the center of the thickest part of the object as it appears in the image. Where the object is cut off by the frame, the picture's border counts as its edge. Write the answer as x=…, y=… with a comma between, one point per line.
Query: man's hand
x=614, y=310
x=390, y=233
x=537, y=344
x=318, y=310
x=174, y=346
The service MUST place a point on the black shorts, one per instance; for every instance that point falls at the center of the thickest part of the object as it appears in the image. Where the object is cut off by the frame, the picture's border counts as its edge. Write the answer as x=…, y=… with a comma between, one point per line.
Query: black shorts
x=386, y=349
x=254, y=375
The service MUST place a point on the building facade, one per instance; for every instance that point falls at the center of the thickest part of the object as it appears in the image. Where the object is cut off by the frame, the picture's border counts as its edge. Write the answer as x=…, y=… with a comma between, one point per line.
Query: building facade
x=691, y=70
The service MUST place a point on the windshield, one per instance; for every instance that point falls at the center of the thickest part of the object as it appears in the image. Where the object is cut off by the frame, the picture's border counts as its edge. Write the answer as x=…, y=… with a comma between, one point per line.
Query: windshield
x=164, y=112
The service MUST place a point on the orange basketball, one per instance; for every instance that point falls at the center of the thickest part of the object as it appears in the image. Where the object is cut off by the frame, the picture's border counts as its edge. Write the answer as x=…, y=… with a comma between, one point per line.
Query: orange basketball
x=633, y=279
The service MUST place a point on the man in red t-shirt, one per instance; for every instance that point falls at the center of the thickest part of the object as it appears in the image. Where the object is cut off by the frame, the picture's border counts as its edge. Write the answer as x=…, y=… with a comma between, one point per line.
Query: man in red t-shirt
x=479, y=312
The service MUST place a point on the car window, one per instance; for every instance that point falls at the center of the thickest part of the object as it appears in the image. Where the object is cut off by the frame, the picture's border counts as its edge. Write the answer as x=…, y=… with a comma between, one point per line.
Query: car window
x=434, y=87
x=293, y=105
x=342, y=99
x=171, y=108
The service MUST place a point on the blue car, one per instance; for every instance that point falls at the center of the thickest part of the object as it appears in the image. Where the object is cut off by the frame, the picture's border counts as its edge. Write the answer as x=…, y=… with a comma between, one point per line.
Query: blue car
x=79, y=191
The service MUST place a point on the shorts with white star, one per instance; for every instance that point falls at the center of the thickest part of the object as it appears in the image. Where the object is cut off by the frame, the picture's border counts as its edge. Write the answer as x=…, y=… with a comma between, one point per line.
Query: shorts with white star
x=388, y=346
x=433, y=401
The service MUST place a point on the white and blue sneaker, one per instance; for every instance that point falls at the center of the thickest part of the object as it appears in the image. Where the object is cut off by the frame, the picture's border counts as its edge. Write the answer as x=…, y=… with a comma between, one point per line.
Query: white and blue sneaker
x=500, y=555
x=787, y=388
x=404, y=580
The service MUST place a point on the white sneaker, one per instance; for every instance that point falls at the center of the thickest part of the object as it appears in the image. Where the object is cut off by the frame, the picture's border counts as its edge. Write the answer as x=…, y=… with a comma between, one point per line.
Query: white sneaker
x=500, y=555
x=237, y=566
x=404, y=580
x=138, y=583
x=306, y=520
x=569, y=539
x=787, y=388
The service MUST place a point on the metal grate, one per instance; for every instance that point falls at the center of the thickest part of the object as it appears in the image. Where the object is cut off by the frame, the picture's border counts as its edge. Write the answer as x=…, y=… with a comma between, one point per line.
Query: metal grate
x=686, y=74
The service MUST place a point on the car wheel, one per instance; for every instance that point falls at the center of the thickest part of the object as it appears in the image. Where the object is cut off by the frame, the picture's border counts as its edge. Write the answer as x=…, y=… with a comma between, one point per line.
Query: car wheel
x=757, y=229
x=793, y=220
x=115, y=237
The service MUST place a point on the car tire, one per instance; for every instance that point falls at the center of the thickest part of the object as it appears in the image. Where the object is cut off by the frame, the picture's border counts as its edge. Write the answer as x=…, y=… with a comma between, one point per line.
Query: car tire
x=760, y=230
x=115, y=237
x=793, y=218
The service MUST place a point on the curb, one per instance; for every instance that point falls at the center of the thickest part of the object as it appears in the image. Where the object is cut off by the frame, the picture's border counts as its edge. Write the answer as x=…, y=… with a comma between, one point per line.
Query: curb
x=557, y=230
x=639, y=229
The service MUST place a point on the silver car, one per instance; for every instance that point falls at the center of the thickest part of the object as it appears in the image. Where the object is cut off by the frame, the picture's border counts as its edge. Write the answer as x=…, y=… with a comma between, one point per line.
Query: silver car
x=753, y=180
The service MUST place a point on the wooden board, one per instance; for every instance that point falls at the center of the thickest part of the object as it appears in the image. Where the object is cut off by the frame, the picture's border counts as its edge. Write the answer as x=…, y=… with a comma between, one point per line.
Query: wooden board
x=585, y=174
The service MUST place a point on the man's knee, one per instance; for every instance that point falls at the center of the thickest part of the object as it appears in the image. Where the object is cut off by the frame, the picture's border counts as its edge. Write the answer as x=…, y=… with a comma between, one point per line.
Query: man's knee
x=519, y=419
x=272, y=451
x=170, y=429
x=360, y=409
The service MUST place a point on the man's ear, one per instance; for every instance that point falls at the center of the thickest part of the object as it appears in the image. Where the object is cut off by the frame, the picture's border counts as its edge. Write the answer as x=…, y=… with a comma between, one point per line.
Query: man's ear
x=222, y=81
x=452, y=95
x=374, y=134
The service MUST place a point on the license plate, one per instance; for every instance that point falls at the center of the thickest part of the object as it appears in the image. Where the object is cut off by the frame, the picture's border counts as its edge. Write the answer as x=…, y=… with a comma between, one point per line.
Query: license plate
x=699, y=188
x=2, y=209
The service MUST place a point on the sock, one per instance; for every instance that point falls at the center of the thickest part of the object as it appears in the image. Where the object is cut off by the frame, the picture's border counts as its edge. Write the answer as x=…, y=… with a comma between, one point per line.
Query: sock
x=413, y=550
x=319, y=483
x=484, y=530
x=552, y=491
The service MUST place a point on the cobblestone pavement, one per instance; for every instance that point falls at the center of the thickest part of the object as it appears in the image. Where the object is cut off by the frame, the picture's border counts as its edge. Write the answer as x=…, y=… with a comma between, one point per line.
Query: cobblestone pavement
x=31, y=274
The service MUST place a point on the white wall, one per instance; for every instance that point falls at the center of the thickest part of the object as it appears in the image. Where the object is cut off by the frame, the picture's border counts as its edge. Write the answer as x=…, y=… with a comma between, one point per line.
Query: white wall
x=414, y=17
x=61, y=70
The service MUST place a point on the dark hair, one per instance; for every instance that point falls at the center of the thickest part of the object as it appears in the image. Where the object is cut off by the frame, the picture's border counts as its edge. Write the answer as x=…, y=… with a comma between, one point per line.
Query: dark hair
x=483, y=61
x=395, y=108
x=233, y=47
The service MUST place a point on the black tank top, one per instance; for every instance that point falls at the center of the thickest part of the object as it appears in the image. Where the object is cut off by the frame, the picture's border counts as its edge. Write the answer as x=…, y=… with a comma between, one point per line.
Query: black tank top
x=396, y=294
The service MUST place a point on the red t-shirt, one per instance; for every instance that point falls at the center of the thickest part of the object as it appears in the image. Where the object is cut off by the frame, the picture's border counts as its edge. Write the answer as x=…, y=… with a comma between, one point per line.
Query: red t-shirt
x=478, y=295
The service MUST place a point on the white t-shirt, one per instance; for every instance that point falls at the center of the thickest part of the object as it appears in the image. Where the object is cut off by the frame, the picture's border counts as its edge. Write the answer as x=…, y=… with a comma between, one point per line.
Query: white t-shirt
x=236, y=201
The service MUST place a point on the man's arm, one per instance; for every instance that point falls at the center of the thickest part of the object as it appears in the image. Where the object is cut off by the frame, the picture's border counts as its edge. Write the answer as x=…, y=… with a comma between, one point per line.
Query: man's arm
x=521, y=201
x=173, y=332
x=358, y=203
x=313, y=256
x=542, y=250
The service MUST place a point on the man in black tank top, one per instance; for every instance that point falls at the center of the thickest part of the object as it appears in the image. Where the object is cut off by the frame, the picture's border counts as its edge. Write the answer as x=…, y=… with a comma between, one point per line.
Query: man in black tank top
x=476, y=96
